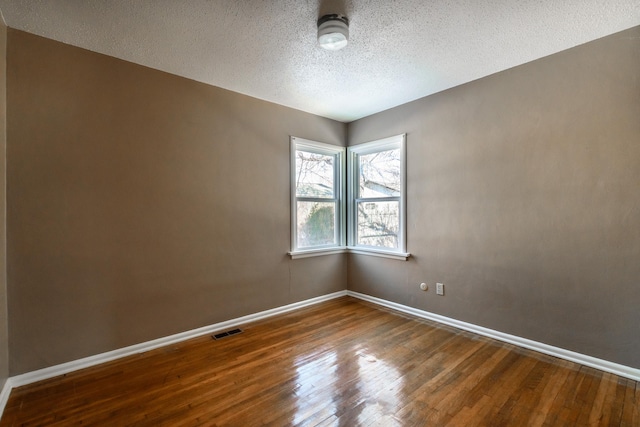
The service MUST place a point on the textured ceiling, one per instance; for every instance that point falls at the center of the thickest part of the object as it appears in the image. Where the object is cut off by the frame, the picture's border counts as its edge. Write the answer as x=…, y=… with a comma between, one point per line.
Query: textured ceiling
x=399, y=50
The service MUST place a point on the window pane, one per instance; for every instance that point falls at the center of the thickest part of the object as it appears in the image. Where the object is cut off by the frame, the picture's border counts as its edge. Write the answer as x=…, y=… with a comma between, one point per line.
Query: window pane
x=378, y=224
x=316, y=224
x=314, y=175
x=380, y=174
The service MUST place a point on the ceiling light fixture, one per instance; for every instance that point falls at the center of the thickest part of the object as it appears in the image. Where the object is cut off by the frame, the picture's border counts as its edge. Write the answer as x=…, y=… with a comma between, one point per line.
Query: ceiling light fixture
x=333, y=32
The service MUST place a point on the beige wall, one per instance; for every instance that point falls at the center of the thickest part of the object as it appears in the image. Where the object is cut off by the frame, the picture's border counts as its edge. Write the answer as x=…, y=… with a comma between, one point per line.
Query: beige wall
x=142, y=204
x=524, y=199
x=4, y=328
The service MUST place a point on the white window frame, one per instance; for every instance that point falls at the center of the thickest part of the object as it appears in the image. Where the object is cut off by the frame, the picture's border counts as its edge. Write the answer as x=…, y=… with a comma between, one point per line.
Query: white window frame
x=300, y=144
x=391, y=143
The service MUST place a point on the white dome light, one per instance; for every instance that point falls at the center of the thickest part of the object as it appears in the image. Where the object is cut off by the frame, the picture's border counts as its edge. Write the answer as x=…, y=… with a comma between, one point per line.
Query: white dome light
x=333, y=32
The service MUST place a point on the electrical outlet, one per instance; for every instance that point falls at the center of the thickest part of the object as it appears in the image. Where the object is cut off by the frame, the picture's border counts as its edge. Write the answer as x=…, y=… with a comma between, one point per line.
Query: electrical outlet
x=440, y=288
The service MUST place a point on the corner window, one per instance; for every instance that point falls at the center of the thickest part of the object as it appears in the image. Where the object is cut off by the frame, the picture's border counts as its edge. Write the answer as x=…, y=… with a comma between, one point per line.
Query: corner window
x=317, y=202
x=377, y=202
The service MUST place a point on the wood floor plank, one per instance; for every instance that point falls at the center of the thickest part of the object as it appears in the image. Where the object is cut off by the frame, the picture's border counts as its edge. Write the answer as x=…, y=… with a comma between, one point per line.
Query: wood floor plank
x=344, y=362
x=626, y=414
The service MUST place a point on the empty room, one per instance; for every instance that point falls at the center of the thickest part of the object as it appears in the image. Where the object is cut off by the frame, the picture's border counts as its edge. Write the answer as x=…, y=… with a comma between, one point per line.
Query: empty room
x=320, y=213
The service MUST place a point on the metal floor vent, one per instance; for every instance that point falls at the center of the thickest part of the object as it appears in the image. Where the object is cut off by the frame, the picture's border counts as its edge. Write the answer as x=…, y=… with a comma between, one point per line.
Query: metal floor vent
x=226, y=334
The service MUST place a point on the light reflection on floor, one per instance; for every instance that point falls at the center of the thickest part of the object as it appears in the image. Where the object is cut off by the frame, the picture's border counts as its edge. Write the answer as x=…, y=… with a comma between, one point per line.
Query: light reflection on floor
x=312, y=379
x=373, y=397
x=380, y=383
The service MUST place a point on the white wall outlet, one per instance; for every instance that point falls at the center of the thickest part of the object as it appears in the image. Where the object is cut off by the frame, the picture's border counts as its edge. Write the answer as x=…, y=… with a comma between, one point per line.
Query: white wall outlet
x=440, y=288
x=424, y=286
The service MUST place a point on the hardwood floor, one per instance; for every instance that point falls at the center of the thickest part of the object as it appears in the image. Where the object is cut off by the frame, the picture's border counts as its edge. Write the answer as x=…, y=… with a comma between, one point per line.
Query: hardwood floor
x=340, y=363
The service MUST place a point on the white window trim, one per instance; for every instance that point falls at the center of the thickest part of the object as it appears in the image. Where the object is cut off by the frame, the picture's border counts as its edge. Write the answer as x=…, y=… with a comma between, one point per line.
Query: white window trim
x=393, y=142
x=339, y=186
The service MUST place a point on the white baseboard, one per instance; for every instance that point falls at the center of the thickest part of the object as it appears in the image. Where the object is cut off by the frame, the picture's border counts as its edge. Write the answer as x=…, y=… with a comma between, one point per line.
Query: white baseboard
x=4, y=394
x=65, y=368
x=603, y=365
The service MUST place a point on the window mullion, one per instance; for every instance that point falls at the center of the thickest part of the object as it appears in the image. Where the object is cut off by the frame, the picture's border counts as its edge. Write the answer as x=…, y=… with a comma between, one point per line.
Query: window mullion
x=315, y=199
x=378, y=199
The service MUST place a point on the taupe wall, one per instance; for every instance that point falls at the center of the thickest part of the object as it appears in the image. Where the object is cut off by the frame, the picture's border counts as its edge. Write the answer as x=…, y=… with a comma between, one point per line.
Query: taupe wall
x=4, y=328
x=524, y=200
x=141, y=204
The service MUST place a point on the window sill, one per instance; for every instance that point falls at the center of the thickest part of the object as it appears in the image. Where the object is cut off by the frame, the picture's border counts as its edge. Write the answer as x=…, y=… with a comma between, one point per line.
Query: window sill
x=402, y=256
x=316, y=252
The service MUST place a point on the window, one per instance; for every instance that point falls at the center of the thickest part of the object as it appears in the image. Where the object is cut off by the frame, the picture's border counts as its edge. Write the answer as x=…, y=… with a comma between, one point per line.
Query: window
x=317, y=207
x=377, y=196
x=376, y=204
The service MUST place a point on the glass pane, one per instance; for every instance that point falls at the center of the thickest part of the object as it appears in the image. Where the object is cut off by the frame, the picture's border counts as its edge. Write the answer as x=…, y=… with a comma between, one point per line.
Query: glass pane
x=316, y=224
x=314, y=175
x=380, y=174
x=379, y=224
